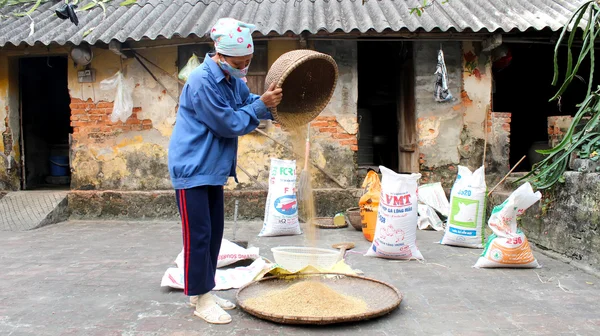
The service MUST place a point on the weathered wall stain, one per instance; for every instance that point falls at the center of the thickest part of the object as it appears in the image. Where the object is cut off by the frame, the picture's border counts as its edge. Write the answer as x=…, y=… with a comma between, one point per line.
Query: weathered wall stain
x=452, y=133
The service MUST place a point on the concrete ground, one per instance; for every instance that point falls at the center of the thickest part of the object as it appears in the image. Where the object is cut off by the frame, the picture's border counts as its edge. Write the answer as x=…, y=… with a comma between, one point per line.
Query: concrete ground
x=103, y=278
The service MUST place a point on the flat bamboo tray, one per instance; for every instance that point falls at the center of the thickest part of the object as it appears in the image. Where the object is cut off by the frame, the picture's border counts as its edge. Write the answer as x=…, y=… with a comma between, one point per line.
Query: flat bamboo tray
x=327, y=223
x=381, y=298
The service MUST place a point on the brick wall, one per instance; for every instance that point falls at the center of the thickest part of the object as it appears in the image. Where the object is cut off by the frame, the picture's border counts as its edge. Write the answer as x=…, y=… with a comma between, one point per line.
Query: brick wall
x=328, y=127
x=500, y=118
x=93, y=120
x=557, y=127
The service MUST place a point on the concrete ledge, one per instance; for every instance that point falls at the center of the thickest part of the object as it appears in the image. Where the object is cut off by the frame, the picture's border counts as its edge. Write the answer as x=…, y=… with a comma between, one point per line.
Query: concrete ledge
x=162, y=205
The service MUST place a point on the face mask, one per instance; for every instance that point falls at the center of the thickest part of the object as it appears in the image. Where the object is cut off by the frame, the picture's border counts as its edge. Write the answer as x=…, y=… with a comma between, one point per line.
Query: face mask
x=237, y=73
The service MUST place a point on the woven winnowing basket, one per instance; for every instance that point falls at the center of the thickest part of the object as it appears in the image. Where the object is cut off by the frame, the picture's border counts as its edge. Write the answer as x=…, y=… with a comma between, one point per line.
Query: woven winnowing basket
x=308, y=79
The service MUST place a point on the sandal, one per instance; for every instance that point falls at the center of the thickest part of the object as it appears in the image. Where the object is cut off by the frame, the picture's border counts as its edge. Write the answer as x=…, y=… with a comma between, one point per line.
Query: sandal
x=225, y=304
x=213, y=314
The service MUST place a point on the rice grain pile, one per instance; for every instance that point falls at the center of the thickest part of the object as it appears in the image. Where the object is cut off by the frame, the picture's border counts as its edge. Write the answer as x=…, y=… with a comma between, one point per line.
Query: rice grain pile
x=308, y=299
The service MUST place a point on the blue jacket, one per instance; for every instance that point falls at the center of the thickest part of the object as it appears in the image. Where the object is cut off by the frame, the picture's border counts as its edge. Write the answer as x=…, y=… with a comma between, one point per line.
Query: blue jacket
x=213, y=113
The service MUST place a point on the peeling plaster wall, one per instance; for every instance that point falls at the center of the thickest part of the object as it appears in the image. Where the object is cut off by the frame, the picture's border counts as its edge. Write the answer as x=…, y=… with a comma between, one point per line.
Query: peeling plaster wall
x=133, y=155
x=9, y=124
x=452, y=133
x=333, y=133
x=130, y=155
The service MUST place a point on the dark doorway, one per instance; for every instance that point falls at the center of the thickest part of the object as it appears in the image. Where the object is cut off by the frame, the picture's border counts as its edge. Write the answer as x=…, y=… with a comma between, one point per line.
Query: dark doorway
x=45, y=122
x=383, y=98
x=523, y=87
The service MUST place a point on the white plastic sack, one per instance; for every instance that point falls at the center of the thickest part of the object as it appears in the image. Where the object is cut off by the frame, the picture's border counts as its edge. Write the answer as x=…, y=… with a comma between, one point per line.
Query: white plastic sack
x=508, y=246
x=123, y=103
x=192, y=63
x=239, y=276
x=467, y=209
x=429, y=219
x=173, y=278
x=229, y=253
x=224, y=279
x=281, y=209
x=396, y=229
x=434, y=196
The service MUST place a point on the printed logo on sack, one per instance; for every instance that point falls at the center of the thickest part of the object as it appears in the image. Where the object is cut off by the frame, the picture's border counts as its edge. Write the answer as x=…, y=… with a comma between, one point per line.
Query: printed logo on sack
x=286, y=205
x=496, y=255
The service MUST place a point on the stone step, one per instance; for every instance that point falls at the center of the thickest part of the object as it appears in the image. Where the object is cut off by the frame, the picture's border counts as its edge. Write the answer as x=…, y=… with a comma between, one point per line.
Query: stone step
x=28, y=210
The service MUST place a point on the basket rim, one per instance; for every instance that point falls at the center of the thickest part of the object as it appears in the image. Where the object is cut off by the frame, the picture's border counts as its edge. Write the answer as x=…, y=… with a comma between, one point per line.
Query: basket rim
x=327, y=226
x=281, y=250
x=284, y=319
x=308, y=55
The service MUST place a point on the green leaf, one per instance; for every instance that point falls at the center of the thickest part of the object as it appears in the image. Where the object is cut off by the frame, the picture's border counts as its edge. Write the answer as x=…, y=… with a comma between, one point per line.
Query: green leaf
x=103, y=10
x=87, y=32
x=412, y=10
x=128, y=2
x=37, y=4
x=424, y=3
x=561, y=37
x=418, y=12
x=88, y=6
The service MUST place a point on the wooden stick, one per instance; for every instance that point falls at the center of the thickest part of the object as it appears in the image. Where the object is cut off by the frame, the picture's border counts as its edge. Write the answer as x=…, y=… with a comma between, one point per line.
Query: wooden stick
x=485, y=138
x=506, y=176
x=301, y=155
x=252, y=177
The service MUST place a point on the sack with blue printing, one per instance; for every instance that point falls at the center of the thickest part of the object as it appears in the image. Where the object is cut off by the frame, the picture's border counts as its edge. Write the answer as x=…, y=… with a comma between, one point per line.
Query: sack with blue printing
x=508, y=246
x=396, y=229
x=467, y=209
x=281, y=209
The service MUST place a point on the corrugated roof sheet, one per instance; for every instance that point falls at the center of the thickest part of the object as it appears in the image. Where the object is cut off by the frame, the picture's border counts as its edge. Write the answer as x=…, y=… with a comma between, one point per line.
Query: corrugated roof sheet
x=151, y=19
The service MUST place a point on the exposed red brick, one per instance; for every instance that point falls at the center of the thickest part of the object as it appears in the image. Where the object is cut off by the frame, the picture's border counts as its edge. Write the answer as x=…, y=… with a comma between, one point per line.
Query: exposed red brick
x=104, y=105
x=325, y=118
x=328, y=130
x=344, y=136
x=349, y=142
x=319, y=124
x=354, y=148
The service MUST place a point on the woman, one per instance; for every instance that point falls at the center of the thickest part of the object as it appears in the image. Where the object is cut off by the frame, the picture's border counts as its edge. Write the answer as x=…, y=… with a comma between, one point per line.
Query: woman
x=215, y=108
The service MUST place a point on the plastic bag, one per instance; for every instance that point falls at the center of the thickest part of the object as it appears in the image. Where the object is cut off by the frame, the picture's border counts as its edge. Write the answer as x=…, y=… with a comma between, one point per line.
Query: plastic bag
x=123, y=103
x=508, y=246
x=281, y=210
x=467, y=209
x=191, y=64
x=369, y=204
x=396, y=229
x=428, y=218
x=433, y=195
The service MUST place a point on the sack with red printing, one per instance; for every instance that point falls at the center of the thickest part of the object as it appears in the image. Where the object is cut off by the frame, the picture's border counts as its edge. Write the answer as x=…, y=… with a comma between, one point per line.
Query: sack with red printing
x=396, y=229
x=229, y=253
x=508, y=246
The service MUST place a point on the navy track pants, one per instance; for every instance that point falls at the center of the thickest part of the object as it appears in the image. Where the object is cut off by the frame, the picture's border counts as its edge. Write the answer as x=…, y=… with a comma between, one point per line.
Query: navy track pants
x=202, y=217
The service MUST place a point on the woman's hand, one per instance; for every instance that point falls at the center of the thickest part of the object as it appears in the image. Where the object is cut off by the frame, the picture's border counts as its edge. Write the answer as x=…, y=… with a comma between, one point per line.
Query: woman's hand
x=272, y=97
